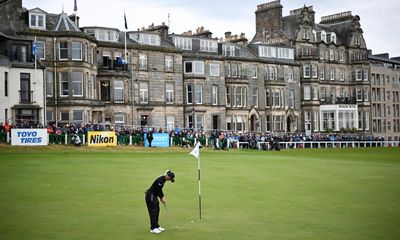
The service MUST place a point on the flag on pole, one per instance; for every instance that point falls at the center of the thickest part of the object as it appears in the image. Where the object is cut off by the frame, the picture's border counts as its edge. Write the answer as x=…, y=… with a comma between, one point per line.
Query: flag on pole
x=75, y=6
x=126, y=24
x=196, y=151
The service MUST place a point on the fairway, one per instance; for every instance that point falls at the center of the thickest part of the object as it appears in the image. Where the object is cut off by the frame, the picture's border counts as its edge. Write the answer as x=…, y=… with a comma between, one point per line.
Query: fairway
x=70, y=193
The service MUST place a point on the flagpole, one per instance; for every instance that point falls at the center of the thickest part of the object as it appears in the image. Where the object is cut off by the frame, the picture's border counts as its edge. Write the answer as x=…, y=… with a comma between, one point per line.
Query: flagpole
x=126, y=29
x=198, y=170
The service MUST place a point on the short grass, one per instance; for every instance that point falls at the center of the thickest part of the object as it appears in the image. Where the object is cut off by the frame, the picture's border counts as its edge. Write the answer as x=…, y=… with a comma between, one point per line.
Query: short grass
x=69, y=193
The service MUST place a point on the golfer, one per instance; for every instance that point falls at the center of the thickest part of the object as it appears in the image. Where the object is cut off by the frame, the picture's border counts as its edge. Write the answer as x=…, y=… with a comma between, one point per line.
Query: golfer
x=153, y=206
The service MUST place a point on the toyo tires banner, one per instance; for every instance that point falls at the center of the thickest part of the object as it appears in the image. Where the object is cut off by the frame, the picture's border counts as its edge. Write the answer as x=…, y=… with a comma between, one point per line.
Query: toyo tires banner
x=102, y=139
x=29, y=137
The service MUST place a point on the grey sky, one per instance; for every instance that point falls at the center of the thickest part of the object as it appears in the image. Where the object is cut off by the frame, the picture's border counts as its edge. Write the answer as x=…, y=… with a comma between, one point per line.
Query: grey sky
x=379, y=18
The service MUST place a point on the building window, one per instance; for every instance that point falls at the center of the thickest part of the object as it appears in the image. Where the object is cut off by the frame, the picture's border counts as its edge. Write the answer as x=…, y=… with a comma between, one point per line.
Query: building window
x=149, y=39
x=105, y=90
x=288, y=73
x=37, y=21
x=332, y=71
x=142, y=61
x=198, y=93
x=106, y=58
x=277, y=98
x=285, y=53
x=214, y=69
x=341, y=56
x=314, y=70
x=77, y=84
x=315, y=118
x=315, y=93
x=49, y=116
x=359, y=94
x=323, y=36
x=189, y=94
x=333, y=37
x=271, y=72
x=266, y=51
x=255, y=97
x=76, y=49
x=365, y=74
x=366, y=90
x=77, y=117
x=322, y=74
x=342, y=72
x=229, y=50
x=91, y=86
x=119, y=119
x=144, y=93
x=214, y=94
x=321, y=53
x=291, y=98
x=190, y=121
x=306, y=71
x=199, y=121
x=64, y=84
x=49, y=84
x=170, y=123
x=208, y=45
x=64, y=116
x=253, y=69
x=63, y=50
x=119, y=91
x=268, y=98
x=183, y=43
x=331, y=55
x=195, y=67
x=6, y=84
x=169, y=63
x=169, y=93
x=359, y=75
x=40, y=50
x=307, y=92
x=228, y=96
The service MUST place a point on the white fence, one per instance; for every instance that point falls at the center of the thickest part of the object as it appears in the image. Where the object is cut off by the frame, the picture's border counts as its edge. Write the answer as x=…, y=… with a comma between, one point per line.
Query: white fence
x=332, y=144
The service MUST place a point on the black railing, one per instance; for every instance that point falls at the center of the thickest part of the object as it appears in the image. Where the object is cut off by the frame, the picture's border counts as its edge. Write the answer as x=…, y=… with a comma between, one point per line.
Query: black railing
x=111, y=64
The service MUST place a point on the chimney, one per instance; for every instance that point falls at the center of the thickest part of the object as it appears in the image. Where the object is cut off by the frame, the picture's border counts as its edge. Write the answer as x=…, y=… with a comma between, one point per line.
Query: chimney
x=269, y=17
x=228, y=34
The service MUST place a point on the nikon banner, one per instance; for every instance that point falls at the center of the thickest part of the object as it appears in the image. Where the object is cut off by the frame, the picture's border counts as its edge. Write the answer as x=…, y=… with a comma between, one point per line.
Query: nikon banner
x=102, y=139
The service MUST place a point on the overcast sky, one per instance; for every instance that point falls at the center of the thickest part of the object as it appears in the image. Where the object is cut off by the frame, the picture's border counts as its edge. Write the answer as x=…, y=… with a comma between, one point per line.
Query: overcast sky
x=379, y=18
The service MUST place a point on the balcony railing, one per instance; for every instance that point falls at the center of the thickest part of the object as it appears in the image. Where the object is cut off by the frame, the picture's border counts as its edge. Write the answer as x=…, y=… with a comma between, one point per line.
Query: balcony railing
x=111, y=64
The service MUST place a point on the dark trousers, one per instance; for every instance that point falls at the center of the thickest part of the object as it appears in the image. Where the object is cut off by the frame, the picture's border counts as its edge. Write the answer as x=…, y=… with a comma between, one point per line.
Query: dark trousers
x=154, y=209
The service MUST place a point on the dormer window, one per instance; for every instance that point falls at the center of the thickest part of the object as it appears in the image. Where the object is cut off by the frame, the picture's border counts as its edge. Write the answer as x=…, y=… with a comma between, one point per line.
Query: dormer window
x=333, y=38
x=229, y=50
x=183, y=43
x=208, y=45
x=37, y=21
x=149, y=39
x=323, y=36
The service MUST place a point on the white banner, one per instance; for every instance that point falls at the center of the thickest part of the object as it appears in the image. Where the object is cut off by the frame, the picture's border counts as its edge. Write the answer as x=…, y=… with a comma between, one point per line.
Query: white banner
x=29, y=137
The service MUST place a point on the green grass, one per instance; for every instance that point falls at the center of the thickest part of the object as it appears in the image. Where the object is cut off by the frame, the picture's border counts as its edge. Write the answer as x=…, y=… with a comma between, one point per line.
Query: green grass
x=60, y=192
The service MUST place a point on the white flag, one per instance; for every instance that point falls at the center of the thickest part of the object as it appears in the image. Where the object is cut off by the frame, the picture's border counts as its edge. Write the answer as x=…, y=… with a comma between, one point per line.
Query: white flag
x=196, y=151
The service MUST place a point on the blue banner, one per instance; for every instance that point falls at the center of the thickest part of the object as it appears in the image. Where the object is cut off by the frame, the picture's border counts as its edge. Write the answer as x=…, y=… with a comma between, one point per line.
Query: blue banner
x=159, y=140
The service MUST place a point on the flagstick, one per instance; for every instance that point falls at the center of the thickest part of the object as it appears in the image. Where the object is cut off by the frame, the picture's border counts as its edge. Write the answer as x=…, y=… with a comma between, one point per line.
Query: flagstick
x=198, y=169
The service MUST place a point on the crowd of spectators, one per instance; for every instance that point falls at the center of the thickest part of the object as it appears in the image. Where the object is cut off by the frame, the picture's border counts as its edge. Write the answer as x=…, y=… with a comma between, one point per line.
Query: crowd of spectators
x=186, y=137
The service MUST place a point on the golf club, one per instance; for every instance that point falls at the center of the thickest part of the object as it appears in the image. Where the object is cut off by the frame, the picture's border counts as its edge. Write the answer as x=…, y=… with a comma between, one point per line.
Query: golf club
x=168, y=216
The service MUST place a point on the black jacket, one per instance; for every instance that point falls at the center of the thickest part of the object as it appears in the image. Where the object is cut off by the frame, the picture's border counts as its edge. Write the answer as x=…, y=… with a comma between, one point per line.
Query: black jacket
x=157, y=186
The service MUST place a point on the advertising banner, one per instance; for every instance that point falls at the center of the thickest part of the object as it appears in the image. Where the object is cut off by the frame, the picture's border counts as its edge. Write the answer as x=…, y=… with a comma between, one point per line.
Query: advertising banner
x=102, y=139
x=159, y=140
x=29, y=137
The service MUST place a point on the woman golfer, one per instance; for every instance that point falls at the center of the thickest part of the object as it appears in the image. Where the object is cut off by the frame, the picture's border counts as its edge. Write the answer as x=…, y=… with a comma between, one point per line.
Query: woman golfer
x=152, y=195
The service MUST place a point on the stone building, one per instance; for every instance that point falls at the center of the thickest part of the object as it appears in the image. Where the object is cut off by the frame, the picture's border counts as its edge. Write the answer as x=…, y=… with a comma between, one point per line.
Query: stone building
x=294, y=75
x=334, y=64
x=385, y=99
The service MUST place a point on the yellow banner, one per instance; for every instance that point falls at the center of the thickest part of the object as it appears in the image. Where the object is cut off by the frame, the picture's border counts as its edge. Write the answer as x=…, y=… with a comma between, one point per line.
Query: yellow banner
x=102, y=139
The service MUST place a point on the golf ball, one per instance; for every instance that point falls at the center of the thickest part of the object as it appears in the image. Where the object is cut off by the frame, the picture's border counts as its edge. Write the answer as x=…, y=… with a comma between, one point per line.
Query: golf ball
x=192, y=221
